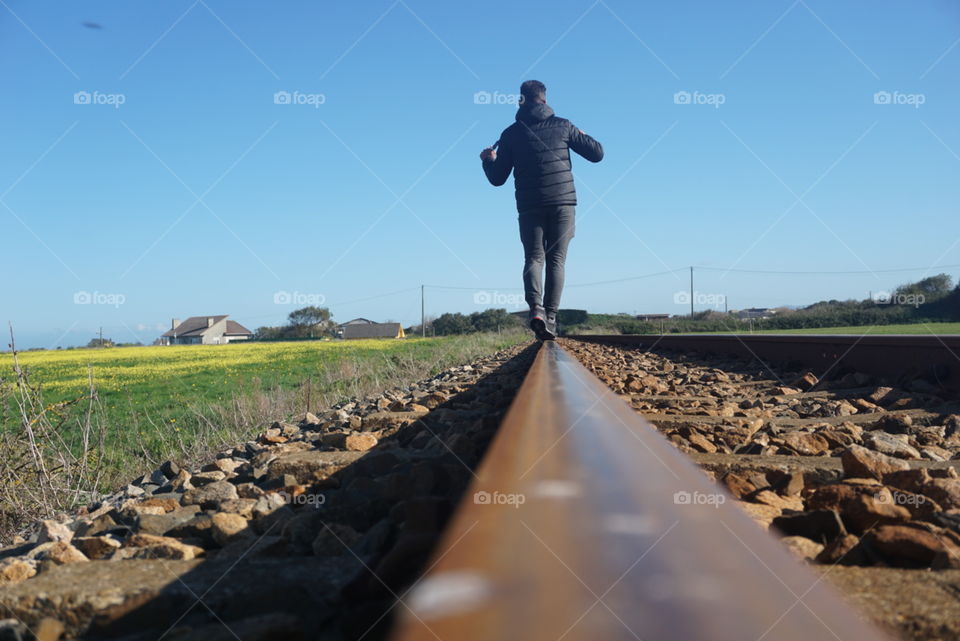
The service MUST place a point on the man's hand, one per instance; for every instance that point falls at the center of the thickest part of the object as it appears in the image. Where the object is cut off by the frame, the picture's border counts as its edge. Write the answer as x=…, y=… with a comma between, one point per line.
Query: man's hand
x=488, y=154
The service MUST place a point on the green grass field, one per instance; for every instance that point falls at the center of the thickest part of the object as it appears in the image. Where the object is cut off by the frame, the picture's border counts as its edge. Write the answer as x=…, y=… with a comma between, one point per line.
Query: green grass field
x=181, y=401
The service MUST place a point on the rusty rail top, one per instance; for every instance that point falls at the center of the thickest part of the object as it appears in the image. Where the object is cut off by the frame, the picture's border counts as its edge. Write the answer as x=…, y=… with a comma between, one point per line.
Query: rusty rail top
x=585, y=524
x=898, y=357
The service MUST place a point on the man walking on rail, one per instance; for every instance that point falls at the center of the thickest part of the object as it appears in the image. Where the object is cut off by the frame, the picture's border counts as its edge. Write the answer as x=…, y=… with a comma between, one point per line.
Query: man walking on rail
x=537, y=149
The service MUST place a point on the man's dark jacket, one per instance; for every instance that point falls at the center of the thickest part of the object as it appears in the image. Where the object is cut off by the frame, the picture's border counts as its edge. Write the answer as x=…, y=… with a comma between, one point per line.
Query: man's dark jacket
x=537, y=148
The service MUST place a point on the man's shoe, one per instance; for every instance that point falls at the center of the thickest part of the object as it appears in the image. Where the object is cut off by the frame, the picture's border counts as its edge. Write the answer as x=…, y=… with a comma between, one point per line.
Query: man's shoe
x=551, y=326
x=538, y=323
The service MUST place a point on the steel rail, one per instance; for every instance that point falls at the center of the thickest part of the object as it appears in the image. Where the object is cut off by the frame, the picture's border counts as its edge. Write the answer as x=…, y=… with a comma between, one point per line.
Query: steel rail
x=585, y=524
x=900, y=358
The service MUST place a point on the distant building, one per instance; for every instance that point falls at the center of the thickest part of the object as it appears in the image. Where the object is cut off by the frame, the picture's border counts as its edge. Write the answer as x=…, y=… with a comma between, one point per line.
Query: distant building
x=205, y=330
x=650, y=317
x=371, y=330
x=756, y=312
x=356, y=321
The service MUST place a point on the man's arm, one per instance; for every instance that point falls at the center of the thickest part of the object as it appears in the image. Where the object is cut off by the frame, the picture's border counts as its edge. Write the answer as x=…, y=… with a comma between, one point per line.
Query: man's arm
x=496, y=166
x=585, y=145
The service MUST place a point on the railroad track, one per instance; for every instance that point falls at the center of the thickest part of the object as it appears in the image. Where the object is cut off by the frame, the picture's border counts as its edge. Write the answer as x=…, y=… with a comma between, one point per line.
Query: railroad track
x=596, y=513
x=584, y=522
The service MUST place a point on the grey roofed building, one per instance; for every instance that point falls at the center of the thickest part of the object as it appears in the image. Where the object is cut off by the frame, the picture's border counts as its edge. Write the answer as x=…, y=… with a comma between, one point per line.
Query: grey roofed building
x=358, y=321
x=372, y=330
x=205, y=330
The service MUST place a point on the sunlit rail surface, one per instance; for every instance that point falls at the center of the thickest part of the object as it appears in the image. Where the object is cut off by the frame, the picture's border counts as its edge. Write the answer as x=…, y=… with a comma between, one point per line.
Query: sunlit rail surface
x=584, y=523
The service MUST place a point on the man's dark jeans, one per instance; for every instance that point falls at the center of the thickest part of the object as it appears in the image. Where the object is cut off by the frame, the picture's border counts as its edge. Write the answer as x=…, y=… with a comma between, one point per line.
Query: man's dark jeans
x=545, y=233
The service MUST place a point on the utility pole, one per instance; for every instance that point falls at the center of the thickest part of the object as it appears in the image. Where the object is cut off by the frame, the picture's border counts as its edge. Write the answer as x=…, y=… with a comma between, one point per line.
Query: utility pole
x=423, y=317
x=691, y=292
x=101, y=336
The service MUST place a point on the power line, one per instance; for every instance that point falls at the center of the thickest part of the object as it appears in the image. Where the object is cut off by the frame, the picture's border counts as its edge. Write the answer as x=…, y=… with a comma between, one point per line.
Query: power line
x=828, y=273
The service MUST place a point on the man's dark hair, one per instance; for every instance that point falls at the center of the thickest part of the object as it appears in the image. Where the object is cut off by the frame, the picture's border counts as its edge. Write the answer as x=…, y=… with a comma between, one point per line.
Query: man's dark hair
x=533, y=91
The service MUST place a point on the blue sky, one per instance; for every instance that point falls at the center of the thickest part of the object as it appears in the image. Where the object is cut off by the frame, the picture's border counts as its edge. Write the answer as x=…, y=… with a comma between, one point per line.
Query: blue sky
x=150, y=170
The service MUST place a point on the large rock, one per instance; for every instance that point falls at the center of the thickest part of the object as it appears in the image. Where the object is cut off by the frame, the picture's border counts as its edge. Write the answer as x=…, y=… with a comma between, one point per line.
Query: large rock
x=859, y=462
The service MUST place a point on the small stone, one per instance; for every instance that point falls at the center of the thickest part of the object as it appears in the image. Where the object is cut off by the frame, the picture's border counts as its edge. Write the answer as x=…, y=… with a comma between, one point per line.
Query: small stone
x=906, y=546
x=148, y=546
x=48, y=629
x=227, y=527
x=181, y=482
x=96, y=547
x=806, y=443
x=16, y=570
x=243, y=507
x=843, y=550
x=908, y=480
x=57, y=553
x=385, y=420
x=771, y=498
x=946, y=492
x=701, y=443
x=206, y=478
x=166, y=504
x=890, y=444
x=211, y=495
x=816, y=525
x=806, y=382
x=53, y=531
x=228, y=465
x=170, y=469
x=360, y=442
x=802, y=547
x=737, y=484
x=762, y=514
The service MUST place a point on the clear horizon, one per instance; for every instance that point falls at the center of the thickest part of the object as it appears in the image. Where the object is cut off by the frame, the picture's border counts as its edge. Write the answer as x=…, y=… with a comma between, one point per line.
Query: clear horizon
x=194, y=157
